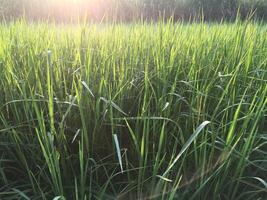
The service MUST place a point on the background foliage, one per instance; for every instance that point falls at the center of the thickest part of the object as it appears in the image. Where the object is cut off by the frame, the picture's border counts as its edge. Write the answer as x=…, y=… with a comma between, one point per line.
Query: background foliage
x=130, y=10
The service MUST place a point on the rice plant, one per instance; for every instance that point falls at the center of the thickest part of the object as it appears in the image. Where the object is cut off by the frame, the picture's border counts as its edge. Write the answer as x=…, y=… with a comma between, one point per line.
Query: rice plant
x=139, y=111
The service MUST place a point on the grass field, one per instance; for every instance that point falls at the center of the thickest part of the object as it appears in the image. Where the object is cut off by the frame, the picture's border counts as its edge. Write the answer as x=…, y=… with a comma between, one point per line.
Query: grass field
x=137, y=111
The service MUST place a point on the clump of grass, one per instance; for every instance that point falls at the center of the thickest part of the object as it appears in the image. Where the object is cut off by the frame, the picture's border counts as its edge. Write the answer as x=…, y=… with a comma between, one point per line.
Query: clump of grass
x=137, y=111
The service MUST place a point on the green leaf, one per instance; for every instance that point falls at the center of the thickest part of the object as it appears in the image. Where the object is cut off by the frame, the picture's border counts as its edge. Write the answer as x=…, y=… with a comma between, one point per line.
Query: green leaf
x=187, y=144
x=115, y=138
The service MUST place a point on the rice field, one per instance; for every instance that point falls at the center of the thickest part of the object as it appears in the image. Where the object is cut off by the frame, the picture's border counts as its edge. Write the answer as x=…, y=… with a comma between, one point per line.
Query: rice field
x=138, y=111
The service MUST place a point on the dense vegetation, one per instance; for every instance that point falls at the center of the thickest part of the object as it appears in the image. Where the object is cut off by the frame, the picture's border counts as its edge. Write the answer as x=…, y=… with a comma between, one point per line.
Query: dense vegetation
x=166, y=111
x=132, y=10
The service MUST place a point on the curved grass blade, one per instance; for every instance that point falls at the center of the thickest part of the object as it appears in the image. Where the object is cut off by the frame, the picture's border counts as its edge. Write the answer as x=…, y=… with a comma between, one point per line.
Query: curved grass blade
x=187, y=144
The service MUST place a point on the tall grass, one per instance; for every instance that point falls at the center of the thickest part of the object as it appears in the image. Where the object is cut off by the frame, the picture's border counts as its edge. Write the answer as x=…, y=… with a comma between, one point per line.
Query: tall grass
x=137, y=111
